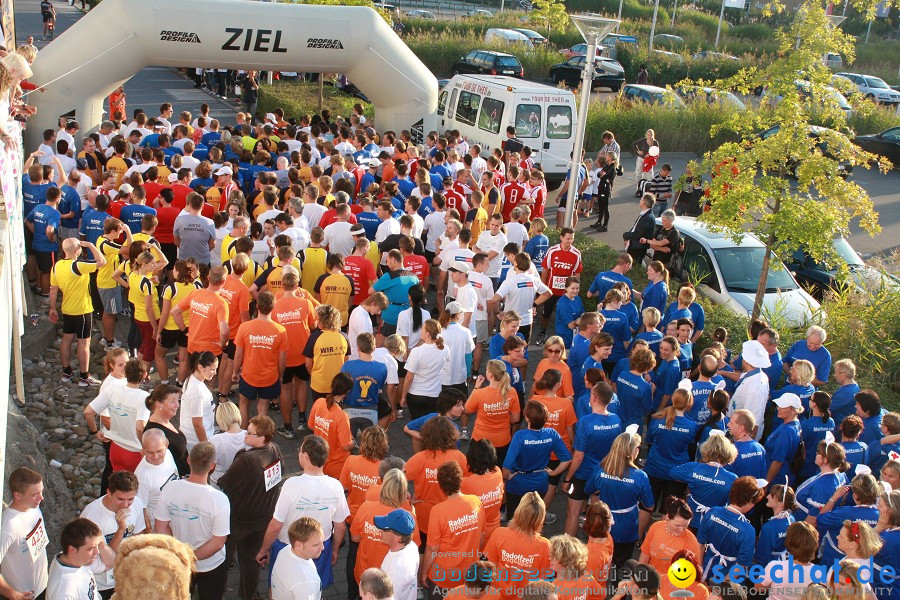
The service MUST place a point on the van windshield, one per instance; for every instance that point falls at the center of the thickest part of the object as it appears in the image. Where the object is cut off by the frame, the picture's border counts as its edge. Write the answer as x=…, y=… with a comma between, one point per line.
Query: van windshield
x=508, y=61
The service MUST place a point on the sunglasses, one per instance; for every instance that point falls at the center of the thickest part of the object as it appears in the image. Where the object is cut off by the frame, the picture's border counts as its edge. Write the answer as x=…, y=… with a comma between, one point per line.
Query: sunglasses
x=554, y=351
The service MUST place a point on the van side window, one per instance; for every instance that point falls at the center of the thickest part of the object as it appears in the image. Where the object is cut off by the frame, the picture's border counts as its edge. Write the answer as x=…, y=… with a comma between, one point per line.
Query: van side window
x=491, y=115
x=559, y=122
x=452, y=104
x=528, y=120
x=442, y=102
x=467, y=108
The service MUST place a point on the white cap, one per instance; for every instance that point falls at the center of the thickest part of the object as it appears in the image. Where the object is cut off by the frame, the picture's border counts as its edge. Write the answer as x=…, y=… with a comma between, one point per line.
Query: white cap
x=374, y=163
x=224, y=171
x=126, y=188
x=173, y=177
x=454, y=308
x=460, y=267
x=271, y=117
x=789, y=400
x=753, y=353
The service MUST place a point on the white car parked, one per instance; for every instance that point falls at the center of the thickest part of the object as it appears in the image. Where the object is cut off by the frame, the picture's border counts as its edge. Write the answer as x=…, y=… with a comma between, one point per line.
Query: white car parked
x=873, y=88
x=727, y=273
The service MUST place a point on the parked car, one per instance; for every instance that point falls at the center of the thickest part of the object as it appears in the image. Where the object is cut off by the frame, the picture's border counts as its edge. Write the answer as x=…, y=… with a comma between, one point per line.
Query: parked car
x=886, y=144
x=651, y=95
x=525, y=4
x=833, y=60
x=713, y=55
x=873, y=88
x=847, y=269
x=576, y=50
x=804, y=88
x=674, y=56
x=480, y=13
x=816, y=132
x=507, y=36
x=421, y=14
x=711, y=96
x=536, y=38
x=489, y=62
x=607, y=73
x=727, y=272
x=668, y=40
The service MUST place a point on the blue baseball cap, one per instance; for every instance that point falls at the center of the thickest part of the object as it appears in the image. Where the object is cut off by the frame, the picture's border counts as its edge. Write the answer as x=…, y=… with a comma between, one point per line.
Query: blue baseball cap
x=398, y=520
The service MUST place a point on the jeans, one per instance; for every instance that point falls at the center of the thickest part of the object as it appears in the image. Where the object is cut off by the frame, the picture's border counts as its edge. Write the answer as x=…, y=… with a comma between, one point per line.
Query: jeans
x=211, y=584
x=243, y=543
x=659, y=207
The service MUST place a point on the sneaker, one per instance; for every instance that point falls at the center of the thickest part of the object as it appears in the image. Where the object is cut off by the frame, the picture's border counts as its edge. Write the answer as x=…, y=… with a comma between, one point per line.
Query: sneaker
x=550, y=519
x=86, y=381
x=542, y=336
x=45, y=301
x=113, y=344
x=421, y=594
x=581, y=520
x=464, y=433
x=66, y=377
x=285, y=432
x=602, y=228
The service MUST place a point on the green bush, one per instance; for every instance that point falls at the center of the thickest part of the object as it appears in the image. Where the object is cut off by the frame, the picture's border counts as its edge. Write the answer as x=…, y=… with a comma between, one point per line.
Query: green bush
x=302, y=98
x=757, y=32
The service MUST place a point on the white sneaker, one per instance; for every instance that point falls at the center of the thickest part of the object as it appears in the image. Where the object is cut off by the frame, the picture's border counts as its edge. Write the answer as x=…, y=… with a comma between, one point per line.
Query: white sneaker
x=550, y=519
x=464, y=433
x=86, y=381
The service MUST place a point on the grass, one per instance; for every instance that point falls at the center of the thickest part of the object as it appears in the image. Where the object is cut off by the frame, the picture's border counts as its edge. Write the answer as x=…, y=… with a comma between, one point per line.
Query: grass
x=297, y=98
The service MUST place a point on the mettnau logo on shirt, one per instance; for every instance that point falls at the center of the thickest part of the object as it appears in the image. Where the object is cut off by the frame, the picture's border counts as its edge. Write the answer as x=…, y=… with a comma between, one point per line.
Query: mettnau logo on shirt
x=464, y=523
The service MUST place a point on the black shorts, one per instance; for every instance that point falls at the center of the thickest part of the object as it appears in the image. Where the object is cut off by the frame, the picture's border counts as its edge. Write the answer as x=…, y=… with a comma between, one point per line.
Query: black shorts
x=48, y=17
x=578, y=489
x=170, y=251
x=298, y=372
x=550, y=305
x=554, y=479
x=388, y=329
x=173, y=337
x=229, y=349
x=79, y=325
x=401, y=369
x=29, y=238
x=525, y=330
x=429, y=256
x=44, y=260
x=251, y=392
x=384, y=408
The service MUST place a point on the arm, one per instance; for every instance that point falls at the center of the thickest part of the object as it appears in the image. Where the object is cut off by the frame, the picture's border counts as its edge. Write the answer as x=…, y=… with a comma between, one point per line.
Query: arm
x=835, y=498
x=407, y=381
x=774, y=467
x=151, y=316
x=238, y=361
x=60, y=173
x=178, y=317
x=574, y=465
x=427, y=560
x=197, y=423
x=223, y=333
x=337, y=536
x=98, y=256
x=210, y=547
x=272, y=531
x=163, y=317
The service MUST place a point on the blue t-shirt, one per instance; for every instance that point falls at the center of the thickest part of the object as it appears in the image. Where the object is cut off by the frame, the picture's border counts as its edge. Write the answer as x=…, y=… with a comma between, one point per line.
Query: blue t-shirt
x=395, y=285
x=427, y=207
x=441, y=171
x=370, y=222
x=621, y=366
x=33, y=194
x=624, y=496
x=630, y=310
x=133, y=214
x=536, y=248
x=843, y=404
x=773, y=371
x=594, y=435
x=567, y=311
x=605, y=281
x=820, y=359
x=515, y=380
x=369, y=376
x=92, y=222
x=528, y=455
x=697, y=315
x=871, y=428
x=770, y=544
x=880, y=453
x=721, y=424
x=686, y=358
x=751, y=460
x=666, y=377
x=405, y=187
x=813, y=493
x=367, y=180
x=655, y=295
x=70, y=202
x=496, y=346
x=708, y=486
x=150, y=141
x=673, y=313
x=578, y=353
x=802, y=392
x=618, y=327
x=635, y=398
x=669, y=446
x=812, y=431
x=857, y=453
x=889, y=556
x=41, y=216
x=211, y=138
x=730, y=540
x=578, y=377
x=701, y=391
x=781, y=446
x=653, y=338
x=208, y=182
x=830, y=524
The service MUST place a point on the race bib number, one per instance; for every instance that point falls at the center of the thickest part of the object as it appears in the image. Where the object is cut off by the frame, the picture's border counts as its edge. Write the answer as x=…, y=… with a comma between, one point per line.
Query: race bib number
x=559, y=282
x=37, y=540
x=272, y=475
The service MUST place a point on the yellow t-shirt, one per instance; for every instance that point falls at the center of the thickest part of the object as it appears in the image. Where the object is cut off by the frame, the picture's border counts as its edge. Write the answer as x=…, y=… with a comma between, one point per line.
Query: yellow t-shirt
x=478, y=224
x=139, y=287
x=250, y=275
x=174, y=293
x=110, y=251
x=142, y=237
x=228, y=242
x=313, y=268
x=72, y=279
x=119, y=167
x=336, y=289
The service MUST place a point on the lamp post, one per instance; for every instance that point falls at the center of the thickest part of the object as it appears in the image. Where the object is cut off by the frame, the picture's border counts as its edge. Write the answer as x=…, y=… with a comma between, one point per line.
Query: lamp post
x=593, y=29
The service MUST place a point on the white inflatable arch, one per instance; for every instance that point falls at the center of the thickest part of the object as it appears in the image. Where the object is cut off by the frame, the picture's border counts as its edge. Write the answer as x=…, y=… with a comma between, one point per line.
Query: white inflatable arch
x=116, y=39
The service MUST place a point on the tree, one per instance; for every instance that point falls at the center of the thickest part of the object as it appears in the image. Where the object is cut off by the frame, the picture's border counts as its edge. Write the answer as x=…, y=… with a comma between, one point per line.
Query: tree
x=550, y=12
x=787, y=187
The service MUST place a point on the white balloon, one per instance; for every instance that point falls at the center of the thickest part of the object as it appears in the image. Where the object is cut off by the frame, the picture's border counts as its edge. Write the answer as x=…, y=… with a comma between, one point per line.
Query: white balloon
x=654, y=151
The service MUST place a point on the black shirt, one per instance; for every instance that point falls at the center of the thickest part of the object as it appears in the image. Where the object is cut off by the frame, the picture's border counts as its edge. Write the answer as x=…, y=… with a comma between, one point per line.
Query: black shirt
x=392, y=242
x=513, y=144
x=674, y=241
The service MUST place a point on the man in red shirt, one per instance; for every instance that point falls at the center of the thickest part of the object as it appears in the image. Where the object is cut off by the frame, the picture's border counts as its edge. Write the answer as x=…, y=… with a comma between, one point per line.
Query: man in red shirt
x=181, y=188
x=122, y=199
x=152, y=186
x=513, y=193
x=359, y=268
x=561, y=262
x=166, y=215
x=418, y=265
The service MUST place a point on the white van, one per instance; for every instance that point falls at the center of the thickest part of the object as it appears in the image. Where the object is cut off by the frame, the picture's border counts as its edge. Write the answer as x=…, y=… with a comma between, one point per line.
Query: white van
x=482, y=106
x=508, y=36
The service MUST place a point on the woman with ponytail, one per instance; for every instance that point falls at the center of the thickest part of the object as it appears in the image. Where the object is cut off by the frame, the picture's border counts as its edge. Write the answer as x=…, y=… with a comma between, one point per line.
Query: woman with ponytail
x=329, y=421
x=864, y=491
x=423, y=371
x=114, y=366
x=198, y=410
x=670, y=535
x=717, y=403
x=830, y=458
x=770, y=544
x=708, y=481
x=668, y=371
x=496, y=407
x=670, y=435
x=410, y=321
x=560, y=416
x=656, y=294
x=813, y=430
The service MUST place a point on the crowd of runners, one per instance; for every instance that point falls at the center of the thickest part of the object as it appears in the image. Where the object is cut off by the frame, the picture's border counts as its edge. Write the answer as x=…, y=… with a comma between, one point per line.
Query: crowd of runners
x=316, y=277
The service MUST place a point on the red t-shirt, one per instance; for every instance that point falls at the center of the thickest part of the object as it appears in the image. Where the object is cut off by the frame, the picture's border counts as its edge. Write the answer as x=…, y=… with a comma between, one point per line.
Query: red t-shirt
x=181, y=192
x=166, y=216
x=208, y=210
x=419, y=267
x=561, y=264
x=455, y=199
x=513, y=193
x=152, y=188
x=115, y=208
x=539, y=196
x=330, y=216
x=361, y=270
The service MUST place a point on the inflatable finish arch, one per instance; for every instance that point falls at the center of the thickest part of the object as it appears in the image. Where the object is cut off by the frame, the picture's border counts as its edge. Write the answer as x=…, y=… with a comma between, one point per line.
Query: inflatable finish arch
x=115, y=40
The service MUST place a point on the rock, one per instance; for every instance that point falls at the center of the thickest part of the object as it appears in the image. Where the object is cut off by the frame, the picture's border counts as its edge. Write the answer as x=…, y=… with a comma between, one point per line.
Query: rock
x=38, y=381
x=55, y=452
x=81, y=431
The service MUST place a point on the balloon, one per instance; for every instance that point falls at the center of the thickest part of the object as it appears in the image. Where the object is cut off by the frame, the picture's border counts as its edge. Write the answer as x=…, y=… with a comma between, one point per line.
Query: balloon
x=654, y=151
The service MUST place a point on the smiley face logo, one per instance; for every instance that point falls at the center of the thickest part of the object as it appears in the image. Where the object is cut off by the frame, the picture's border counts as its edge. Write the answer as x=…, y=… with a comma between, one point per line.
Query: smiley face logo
x=682, y=573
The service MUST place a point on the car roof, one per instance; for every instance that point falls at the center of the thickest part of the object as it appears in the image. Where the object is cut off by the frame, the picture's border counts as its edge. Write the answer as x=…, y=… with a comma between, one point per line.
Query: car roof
x=527, y=32
x=493, y=52
x=519, y=85
x=647, y=88
x=714, y=239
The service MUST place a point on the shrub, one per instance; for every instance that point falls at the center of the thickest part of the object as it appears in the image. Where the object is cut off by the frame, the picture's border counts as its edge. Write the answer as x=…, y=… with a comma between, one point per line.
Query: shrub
x=302, y=98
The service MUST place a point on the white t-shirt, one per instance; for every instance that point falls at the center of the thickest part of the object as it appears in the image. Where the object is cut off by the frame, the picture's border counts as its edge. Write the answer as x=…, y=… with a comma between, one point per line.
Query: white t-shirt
x=152, y=479
x=295, y=578
x=488, y=242
x=435, y=226
x=196, y=513
x=18, y=531
x=793, y=579
x=260, y=252
x=518, y=292
x=418, y=225
x=189, y=162
x=459, y=341
x=484, y=291
x=227, y=445
x=402, y=567
x=318, y=496
x=383, y=356
x=313, y=213
x=360, y=322
x=426, y=362
x=71, y=583
x=196, y=401
x=126, y=406
x=479, y=166
x=105, y=519
x=447, y=247
x=268, y=214
x=405, y=326
x=386, y=228
x=468, y=299
x=338, y=238
x=299, y=238
x=516, y=233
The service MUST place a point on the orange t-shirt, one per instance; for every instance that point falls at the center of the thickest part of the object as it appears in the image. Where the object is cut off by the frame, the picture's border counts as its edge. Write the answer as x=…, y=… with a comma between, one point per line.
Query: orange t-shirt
x=569, y=587
x=372, y=550
x=455, y=527
x=666, y=588
x=565, y=386
x=333, y=424
x=421, y=469
x=262, y=342
x=661, y=546
x=489, y=489
x=359, y=473
x=492, y=422
x=298, y=316
x=208, y=309
x=599, y=558
x=560, y=416
x=237, y=294
x=514, y=552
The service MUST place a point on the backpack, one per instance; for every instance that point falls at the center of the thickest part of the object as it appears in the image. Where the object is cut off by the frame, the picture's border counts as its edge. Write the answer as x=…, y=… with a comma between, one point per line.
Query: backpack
x=799, y=458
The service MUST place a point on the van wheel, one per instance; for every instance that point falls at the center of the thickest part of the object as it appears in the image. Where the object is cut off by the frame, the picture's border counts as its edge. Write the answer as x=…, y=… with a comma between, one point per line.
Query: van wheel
x=615, y=88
